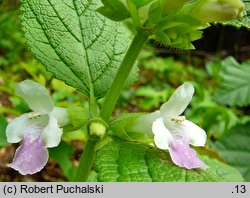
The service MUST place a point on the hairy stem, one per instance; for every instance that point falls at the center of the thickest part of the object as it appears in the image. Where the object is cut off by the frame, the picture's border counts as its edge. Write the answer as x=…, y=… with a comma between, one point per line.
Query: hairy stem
x=92, y=104
x=86, y=161
x=134, y=14
x=122, y=75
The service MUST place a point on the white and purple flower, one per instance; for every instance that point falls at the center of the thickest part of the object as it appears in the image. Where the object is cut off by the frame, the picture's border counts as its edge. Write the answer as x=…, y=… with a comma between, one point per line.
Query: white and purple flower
x=173, y=132
x=39, y=129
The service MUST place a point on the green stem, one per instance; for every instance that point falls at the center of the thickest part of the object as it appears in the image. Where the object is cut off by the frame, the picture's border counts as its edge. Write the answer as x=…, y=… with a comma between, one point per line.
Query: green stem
x=122, y=75
x=86, y=161
x=92, y=104
x=134, y=14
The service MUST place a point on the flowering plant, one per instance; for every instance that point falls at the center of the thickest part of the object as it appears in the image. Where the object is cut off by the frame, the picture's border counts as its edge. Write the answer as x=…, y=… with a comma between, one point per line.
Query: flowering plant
x=86, y=45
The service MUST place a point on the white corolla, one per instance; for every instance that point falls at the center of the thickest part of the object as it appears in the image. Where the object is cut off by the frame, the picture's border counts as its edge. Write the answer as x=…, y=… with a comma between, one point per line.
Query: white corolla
x=39, y=129
x=172, y=131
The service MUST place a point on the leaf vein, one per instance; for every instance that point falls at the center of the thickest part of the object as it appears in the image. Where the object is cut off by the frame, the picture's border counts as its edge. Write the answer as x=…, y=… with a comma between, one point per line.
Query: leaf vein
x=147, y=164
x=40, y=23
x=65, y=25
x=97, y=36
x=110, y=60
x=84, y=46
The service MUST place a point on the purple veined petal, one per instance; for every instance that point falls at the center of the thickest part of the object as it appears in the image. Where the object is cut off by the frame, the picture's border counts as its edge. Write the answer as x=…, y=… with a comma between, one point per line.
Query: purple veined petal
x=31, y=156
x=184, y=156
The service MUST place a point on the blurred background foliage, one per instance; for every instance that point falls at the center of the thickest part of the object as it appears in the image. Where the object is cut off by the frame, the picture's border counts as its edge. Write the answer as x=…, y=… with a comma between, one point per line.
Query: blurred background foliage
x=219, y=68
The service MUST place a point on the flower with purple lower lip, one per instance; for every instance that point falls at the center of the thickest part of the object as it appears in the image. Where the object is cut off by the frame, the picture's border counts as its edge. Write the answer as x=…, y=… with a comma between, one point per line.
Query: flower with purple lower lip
x=173, y=132
x=39, y=129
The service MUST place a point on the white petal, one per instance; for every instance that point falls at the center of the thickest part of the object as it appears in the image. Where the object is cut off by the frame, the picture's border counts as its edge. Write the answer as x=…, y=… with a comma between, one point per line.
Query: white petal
x=178, y=102
x=162, y=136
x=61, y=115
x=196, y=135
x=16, y=129
x=52, y=133
x=36, y=96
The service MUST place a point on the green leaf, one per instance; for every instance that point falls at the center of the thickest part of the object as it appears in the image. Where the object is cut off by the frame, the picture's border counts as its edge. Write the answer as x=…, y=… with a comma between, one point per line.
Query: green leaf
x=235, y=87
x=151, y=97
x=214, y=118
x=92, y=177
x=74, y=42
x=114, y=10
x=62, y=154
x=3, y=125
x=244, y=21
x=234, y=148
x=127, y=161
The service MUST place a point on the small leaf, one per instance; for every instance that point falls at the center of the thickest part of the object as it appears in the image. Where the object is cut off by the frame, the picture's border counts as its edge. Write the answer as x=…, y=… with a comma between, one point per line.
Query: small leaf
x=235, y=87
x=62, y=154
x=128, y=161
x=234, y=148
x=75, y=43
x=3, y=125
x=114, y=10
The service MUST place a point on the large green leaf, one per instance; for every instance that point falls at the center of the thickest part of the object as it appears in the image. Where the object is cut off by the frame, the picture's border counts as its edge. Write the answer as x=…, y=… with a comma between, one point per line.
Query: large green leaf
x=74, y=42
x=128, y=161
x=235, y=88
x=234, y=147
x=244, y=21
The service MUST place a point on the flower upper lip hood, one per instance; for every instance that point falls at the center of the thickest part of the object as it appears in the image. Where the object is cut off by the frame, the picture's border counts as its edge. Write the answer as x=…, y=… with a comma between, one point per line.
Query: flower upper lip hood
x=39, y=129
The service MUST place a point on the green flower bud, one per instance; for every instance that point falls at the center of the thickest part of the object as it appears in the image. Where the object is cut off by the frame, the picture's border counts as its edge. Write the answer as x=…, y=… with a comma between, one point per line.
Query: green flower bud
x=97, y=128
x=218, y=10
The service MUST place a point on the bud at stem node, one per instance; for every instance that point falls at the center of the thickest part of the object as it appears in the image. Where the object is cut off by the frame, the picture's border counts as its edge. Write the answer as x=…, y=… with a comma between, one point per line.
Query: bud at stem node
x=97, y=128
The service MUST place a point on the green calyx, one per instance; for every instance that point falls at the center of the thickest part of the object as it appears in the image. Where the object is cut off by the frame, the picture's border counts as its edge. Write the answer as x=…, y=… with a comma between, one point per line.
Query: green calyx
x=172, y=23
x=178, y=23
x=97, y=128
